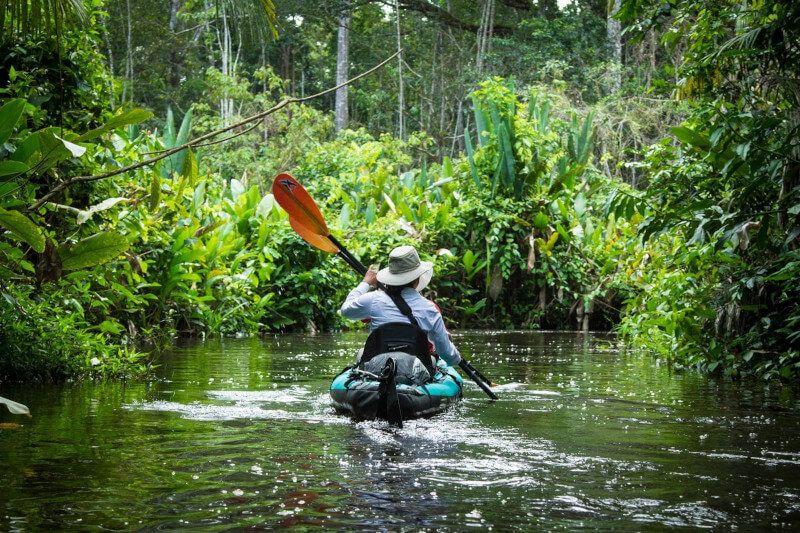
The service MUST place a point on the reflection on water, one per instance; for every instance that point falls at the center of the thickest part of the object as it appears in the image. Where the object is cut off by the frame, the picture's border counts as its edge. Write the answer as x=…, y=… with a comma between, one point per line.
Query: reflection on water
x=238, y=434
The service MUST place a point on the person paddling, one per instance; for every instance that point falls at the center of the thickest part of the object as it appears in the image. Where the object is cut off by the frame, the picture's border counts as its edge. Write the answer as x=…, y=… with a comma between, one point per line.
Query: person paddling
x=403, y=279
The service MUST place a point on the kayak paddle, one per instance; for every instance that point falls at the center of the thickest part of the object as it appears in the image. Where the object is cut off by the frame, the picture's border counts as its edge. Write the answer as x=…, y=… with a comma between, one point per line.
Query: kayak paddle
x=307, y=221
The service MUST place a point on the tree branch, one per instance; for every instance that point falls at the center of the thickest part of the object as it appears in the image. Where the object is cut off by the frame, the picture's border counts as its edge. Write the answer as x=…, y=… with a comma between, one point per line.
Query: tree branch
x=199, y=140
x=445, y=17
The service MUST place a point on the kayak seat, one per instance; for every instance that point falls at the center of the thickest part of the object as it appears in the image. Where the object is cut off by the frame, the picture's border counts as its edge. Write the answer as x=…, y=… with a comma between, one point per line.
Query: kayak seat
x=399, y=337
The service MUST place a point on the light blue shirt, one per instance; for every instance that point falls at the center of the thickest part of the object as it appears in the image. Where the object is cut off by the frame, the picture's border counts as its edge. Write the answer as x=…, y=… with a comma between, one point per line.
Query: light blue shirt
x=377, y=305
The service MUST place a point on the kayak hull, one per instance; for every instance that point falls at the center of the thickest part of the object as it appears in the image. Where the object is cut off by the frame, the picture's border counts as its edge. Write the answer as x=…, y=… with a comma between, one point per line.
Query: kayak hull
x=358, y=396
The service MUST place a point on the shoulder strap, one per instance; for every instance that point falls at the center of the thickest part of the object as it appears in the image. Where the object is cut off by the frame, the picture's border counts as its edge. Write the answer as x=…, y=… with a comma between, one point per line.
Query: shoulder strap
x=403, y=306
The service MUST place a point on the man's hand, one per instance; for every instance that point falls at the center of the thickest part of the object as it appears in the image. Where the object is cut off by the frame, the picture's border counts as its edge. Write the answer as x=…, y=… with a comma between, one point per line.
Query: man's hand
x=371, y=278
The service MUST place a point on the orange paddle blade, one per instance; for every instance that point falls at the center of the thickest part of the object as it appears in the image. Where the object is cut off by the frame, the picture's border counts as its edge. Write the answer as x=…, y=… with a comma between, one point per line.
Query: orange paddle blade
x=294, y=199
x=315, y=240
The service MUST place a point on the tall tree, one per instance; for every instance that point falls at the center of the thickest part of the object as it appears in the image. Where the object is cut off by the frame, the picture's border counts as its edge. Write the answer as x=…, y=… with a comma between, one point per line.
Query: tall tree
x=614, y=33
x=485, y=33
x=342, y=65
x=401, y=120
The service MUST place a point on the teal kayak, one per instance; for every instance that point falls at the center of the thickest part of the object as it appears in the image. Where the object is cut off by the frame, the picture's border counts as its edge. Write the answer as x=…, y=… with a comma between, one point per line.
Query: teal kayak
x=358, y=393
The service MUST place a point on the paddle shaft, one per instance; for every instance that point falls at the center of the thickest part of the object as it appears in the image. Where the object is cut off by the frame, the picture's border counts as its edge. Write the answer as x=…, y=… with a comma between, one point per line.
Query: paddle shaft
x=472, y=373
x=350, y=259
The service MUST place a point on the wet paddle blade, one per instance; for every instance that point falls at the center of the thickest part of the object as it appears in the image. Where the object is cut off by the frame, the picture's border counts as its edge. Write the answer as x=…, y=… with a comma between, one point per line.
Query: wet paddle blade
x=315, y=240
x=294, y=199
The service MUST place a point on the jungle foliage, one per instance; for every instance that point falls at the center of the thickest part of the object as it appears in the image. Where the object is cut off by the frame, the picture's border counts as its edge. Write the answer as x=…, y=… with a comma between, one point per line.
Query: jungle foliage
x=540, y=176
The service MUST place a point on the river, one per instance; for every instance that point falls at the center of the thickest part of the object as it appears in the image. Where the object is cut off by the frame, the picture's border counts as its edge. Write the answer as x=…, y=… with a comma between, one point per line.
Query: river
x=238, y=434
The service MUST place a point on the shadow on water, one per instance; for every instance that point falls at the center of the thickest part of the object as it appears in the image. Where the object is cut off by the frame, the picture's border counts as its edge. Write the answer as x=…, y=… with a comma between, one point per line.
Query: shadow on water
x=239, y=434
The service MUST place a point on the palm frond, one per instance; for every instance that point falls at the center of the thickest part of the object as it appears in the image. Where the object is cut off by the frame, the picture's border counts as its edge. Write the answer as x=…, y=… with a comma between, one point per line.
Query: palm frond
x=32, y=17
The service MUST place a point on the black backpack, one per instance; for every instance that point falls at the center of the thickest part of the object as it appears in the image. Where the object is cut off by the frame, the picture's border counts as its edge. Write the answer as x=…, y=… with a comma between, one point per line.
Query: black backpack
x=399, y=337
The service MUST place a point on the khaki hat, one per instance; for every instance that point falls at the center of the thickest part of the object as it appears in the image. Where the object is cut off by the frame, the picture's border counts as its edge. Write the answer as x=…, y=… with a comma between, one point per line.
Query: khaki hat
x=404, y=267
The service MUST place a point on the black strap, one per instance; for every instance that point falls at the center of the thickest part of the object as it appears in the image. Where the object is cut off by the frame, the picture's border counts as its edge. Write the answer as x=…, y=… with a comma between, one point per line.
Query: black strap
x=403, y=306
x=388, y=401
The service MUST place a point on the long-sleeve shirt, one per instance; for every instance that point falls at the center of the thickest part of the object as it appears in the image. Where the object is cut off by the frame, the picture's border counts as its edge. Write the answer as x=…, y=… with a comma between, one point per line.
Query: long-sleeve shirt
x=378, y=306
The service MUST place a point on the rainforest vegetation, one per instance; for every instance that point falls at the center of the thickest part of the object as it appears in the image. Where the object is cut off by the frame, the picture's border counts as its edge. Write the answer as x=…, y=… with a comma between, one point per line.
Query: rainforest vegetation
x=632, y=166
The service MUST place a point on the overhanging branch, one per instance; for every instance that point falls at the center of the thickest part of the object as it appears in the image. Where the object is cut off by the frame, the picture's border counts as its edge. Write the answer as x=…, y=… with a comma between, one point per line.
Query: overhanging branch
x=199, y=140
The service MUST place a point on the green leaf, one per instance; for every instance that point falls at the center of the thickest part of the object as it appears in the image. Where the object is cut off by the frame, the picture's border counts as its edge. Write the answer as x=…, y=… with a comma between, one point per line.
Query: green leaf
x=199, y=196
x=370, y=212
x=402, y=206
x=134, y=116
x=190, y=168
x=237, y=189
x=169, y=130
x=182, y=138
x=580, y=205
x=83, y=216
x=344, y=217
x=563, y=232
x=22, y=229
x=691, y=137
x=55, y=149
x=473, y=169
x=108, y=326
x=155, y=192
x=9, y=116
x=92, y=251
x=540, y=222
x=27, y=148
x=12, y=168
x=447, y=168
x=265, y=206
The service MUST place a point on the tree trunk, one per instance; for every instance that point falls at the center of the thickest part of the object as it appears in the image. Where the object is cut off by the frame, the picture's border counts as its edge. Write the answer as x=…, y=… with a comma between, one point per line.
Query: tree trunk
x=109, y=52
x=587, y=314
x=614, y=36
x=401, y=120
x=342, y=66
x=128, y=79
x=484, y=42
x=174, y=62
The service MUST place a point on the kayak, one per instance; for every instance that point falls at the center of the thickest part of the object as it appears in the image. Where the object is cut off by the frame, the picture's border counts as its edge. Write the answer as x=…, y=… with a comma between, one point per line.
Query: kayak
x=362, y=394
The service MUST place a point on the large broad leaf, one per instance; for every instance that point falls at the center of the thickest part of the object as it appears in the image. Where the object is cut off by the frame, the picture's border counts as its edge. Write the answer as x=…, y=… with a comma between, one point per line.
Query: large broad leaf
x=134, y=116
x=540, y=221
x=470, y=158
x=9, y=116
x=171, y=139
x=237, y=189
x=15, y=408
x=181, y=139
x=12, y=168
x=22, y=229
x=190, y=168
x=83, y=216
x=74, y=149
x=51, y=149
x=155, y=192
x=689, y=136
x=26, y=149
x=265, y=206
x=91, y=251
x=447, y=168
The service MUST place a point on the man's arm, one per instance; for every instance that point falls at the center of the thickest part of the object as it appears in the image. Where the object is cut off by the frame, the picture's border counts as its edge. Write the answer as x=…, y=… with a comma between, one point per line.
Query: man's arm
x=442, y=343
x=356, y=306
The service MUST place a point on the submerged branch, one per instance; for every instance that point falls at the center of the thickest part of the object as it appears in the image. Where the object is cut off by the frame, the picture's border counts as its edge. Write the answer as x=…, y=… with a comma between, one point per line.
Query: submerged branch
x=200, y=140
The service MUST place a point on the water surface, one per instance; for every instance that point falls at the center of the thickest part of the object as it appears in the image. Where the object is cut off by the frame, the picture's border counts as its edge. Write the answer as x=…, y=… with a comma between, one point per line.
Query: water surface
x=239, y=434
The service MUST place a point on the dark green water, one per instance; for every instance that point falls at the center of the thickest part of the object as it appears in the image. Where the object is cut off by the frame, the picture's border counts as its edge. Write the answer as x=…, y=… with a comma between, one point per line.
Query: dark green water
x=239, y=434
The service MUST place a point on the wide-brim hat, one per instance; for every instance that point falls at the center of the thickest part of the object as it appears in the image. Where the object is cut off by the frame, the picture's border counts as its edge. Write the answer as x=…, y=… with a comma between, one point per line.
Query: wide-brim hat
x=404, y=267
